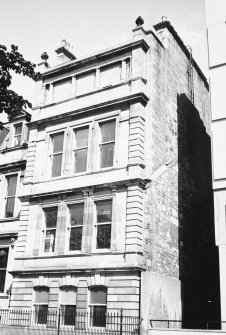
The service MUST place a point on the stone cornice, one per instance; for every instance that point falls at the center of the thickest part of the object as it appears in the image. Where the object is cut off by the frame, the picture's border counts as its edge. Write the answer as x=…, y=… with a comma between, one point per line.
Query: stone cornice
x=13, y=165
x=132, y=98
x=138, y=181
x=96, y=57
x=19, y=147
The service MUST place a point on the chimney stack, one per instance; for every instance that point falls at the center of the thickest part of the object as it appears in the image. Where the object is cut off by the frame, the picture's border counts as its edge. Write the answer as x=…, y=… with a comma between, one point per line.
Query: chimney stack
x=64, y=53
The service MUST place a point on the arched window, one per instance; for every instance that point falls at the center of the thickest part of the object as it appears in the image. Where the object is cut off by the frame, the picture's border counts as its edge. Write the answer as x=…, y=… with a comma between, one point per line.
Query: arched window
x=41, y=304
x=98, y=306
x=68, y=304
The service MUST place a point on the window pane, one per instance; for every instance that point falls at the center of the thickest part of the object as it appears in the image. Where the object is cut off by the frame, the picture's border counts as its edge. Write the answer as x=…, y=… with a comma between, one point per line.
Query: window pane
x=41, y=312
x=85, y=83
x=50, y=240
x=61, y=90
x=107, y=155
x=81, y=138
x=104, y=211
x=3, y=133
x=17, y=140
x=69, y=313
x=56, y=165
x=80, y=160
x=51, y=217
x=12, y=181
x=9, y=211
x=98, y=295
x=58, y=140
x=75, y=238
x=42, y=295
x=2, y=280
x=99, y=316
x=110, y=75
x=108, y=131
x=18, y=129
x=104, y=236
x=76, y=213
x=3, y=258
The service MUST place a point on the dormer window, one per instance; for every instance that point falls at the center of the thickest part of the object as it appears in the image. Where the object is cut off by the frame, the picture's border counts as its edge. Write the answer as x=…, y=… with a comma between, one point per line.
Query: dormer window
x=17, y=134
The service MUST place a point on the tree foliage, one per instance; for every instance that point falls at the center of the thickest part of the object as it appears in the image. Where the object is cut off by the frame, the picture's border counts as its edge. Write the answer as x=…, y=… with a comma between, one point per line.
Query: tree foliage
x=10, y=102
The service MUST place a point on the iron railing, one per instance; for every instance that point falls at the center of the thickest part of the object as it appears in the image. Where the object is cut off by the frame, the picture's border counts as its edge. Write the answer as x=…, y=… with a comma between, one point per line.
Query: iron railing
x=72, y=321
x=187, y=324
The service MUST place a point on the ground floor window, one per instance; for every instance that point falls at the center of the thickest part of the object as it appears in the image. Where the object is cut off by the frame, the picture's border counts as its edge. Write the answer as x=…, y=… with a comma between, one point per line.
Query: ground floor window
x=98, y=306
x=41, y=305
x=68, y=305
x=3, y=267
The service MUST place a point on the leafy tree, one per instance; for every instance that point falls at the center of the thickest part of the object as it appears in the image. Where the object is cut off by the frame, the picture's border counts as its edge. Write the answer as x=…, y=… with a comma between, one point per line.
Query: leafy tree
x=10, y=102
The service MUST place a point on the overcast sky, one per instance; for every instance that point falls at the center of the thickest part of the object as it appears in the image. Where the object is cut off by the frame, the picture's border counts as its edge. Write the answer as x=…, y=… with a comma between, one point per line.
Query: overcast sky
x=92, y=25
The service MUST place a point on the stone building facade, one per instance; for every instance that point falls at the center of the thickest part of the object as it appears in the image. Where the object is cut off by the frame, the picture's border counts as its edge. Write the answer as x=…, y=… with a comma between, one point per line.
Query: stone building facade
x=216, y=31
x=116, y=207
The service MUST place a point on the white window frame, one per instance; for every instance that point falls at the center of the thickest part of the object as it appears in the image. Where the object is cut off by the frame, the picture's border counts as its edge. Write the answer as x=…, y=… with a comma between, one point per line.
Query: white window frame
x=50, y=151
x=14, y=133
x=5, y=188
x=84, y=73
x=39, y=304
x=74, y=129
x=6, y=271
x=99, y=123
x=91, y=313
x=112, y=64
x=60, y=304
x=61, y=81
x=95, y=200
x=69, y=225
x=44, y=229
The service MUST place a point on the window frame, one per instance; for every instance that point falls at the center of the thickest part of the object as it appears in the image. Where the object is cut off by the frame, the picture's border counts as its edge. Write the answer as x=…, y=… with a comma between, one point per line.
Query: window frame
x=3, y=247
x=100, y=143
x=36, y=304
x=92, y=305
x=51, y=154
x=96, y=224
x=88, y=147
x=17, y=135
x=78, y=202
x=111, y=65
x=5, y=196
x=83, y=74
x=61, y=82
x=61, y=305
x=44, y=229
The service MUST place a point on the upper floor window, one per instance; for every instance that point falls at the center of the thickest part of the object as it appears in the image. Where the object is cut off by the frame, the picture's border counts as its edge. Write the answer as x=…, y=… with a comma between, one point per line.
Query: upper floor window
x=50, y=229
x=17, y=134
x=98, y=306
x=85, y=83
x=107, y=143
x=103, y=224
x=3, y=267
x=10, y=195
x=80, y=149
x=76, y=226
x=110, y=75
x=62, y=90
x=56, y=155
x=41, y=304
x=3, y=133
